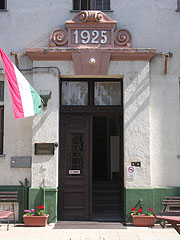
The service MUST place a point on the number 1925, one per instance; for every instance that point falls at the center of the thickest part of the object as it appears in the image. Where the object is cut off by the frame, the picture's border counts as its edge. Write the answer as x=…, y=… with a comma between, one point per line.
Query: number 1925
x=94, y=37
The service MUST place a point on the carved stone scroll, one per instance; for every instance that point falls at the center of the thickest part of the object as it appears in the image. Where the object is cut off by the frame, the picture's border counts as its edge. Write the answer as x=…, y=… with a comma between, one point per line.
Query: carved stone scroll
x=58, y=38
x=91, y=16
x=123, y=38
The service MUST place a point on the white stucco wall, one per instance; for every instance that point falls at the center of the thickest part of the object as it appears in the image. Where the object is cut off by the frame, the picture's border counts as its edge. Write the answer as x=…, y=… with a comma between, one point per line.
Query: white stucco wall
x=45, y=127
x=136, y=94
x=17, y=142
x=165, y=131
x=153, y=24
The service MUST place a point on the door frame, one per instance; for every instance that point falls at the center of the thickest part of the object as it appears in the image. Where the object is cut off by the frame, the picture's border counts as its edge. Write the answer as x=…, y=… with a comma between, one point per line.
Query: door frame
x=91, y=110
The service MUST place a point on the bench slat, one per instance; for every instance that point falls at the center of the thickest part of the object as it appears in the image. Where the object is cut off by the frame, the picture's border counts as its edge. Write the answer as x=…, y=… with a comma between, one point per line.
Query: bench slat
x=170, y=202
x=8, y=199
x=171, y=197
x=8, y=196
x=169, y=213
x=5, y=192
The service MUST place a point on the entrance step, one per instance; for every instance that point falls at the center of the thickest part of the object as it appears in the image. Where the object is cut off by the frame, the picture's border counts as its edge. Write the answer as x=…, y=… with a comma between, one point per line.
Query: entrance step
x=106, y=201
x=107, y=217
x=106, y=185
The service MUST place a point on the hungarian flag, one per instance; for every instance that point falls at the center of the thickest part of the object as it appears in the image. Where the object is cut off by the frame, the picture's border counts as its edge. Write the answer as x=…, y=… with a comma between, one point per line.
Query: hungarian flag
x=26, y=101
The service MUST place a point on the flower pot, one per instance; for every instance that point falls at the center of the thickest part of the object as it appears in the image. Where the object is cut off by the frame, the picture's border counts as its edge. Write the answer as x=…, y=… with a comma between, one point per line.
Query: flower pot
x=143, y=220
x=35, y=221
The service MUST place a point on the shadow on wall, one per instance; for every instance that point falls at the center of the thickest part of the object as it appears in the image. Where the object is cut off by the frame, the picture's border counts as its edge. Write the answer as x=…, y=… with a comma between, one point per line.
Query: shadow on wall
x=44, y=119
x=137, y=95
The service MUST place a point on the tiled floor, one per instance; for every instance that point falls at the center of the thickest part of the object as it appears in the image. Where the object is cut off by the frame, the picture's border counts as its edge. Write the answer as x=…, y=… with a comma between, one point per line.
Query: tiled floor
x=19, y=232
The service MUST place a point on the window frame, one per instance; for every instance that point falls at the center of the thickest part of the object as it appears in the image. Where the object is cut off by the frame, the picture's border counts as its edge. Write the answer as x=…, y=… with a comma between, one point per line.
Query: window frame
x=91, y=107
x=5, y=6
x=178, y=6
x=2, y=118
x=73, y=10
x=2, y=130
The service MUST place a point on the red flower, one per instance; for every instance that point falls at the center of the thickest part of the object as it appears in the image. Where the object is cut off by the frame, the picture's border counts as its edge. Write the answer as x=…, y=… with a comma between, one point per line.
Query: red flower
x=133, y=209
x=38, y=207
x=140, y=210
x=151, y=210
x=41, y=207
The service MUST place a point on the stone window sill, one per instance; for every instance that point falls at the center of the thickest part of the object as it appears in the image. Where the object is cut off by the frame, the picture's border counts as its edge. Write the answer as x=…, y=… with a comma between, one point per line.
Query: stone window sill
x=2, y=155
x=90, y=10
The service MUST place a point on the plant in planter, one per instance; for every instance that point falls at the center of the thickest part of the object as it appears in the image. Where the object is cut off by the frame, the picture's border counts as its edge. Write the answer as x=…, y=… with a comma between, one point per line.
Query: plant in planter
x=143, y=220
x=35, y=218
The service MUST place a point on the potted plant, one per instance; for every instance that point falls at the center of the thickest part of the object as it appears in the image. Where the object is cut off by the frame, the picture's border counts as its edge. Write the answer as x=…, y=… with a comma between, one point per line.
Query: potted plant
x=35, y=218
x=143, y=220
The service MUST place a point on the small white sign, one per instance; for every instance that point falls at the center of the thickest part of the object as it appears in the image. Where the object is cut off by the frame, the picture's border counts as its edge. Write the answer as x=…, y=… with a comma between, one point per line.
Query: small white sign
x=74, y=171
x=130, y=172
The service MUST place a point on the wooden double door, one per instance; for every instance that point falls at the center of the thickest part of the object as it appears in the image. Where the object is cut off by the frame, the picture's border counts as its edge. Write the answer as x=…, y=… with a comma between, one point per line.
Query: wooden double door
x=76, y=165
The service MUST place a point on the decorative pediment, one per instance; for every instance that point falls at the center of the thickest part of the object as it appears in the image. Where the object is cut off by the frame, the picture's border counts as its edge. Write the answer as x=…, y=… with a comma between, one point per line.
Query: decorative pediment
x=91, y=29
x=90, y=41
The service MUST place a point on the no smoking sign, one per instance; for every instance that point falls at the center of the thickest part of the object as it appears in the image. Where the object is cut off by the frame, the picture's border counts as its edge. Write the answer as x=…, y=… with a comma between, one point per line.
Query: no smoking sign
x=130, y=172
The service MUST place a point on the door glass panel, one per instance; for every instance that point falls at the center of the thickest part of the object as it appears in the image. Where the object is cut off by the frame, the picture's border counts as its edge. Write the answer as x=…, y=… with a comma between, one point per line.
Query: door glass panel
x=74, y=93
x=74, y=154
x=107, y=93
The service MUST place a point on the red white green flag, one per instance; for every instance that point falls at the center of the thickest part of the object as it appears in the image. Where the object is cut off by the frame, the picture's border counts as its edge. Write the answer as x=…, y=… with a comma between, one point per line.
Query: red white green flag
x=26, y=101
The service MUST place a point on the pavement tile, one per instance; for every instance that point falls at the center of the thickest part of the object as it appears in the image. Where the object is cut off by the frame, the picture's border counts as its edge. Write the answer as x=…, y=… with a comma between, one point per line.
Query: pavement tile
x=127, y=235
x=166, y=234
x=145, y=233
x=109, y=234
x=71, y=234
x=20, y=232
x=90, y=234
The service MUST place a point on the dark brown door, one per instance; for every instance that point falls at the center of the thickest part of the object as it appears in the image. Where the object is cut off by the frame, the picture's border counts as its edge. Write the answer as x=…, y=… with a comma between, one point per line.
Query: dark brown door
x=74, y=167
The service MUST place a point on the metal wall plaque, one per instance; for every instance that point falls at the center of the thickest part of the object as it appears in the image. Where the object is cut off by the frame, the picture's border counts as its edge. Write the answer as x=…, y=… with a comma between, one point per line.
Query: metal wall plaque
x=20, y=162
x=44, y=148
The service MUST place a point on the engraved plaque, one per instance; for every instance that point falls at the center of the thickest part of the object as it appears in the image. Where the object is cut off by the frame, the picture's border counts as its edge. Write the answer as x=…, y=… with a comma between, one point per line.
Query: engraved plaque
x=20, y=162
x=44, y=148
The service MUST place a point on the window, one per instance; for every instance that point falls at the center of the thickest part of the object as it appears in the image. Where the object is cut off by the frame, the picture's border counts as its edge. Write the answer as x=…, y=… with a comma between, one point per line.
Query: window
x=3, y=4
x=1, y=91
x=91, y=5
x=178, y=5
x=1, y=115
x=179, y=94
x=74, y=93
x=91, y=92
x=1, y=128
x=107, y=93
x=74, y=152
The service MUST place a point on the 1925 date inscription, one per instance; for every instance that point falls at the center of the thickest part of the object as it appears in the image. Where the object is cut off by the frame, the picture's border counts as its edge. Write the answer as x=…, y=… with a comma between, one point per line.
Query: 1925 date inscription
x=90, y=37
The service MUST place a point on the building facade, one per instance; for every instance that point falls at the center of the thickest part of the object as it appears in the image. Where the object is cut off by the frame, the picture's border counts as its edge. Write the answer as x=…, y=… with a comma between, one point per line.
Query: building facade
x=108, y=137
